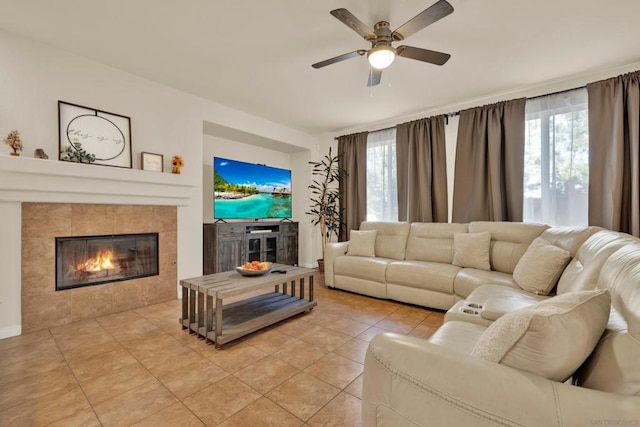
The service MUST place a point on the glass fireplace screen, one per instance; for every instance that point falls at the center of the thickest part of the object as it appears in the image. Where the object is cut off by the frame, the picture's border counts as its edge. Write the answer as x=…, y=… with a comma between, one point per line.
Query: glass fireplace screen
x=92, y=260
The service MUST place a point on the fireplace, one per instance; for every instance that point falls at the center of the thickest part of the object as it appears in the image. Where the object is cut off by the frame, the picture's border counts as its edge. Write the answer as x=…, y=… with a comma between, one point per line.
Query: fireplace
x=93, y=260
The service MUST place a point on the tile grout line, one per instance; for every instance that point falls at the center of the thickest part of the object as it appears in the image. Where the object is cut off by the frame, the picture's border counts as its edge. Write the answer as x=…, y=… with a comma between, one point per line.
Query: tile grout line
x=151, y=373
x=66, y=361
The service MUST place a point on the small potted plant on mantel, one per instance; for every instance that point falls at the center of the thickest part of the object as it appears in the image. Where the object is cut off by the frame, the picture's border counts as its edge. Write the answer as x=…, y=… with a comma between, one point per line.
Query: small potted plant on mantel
x=325, y=199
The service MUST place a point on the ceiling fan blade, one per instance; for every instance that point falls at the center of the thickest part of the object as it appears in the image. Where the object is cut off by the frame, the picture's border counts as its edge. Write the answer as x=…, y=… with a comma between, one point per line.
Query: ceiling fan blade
x=425, y=18
x=423, y=55
x=339, y=58
x=354, y=23
x=374, y=77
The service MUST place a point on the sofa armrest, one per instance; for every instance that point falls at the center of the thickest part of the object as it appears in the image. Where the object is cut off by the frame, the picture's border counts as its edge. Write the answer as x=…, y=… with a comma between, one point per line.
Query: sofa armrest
x=332, y=251
x=410, y=381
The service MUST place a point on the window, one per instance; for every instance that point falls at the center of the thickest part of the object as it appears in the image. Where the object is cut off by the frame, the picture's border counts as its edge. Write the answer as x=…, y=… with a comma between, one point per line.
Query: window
x=382, y=188
x=556, y=159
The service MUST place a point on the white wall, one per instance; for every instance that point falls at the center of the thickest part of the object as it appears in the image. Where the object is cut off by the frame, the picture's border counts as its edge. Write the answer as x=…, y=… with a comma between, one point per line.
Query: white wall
x=163, y=120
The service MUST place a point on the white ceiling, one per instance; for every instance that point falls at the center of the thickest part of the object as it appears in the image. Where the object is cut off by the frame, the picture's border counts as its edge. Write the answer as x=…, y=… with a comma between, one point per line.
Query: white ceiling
x=256, y=55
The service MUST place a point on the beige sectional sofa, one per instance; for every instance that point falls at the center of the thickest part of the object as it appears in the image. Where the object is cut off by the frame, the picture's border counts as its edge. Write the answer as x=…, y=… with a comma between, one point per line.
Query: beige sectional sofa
x=413, y=262
x=504, y=355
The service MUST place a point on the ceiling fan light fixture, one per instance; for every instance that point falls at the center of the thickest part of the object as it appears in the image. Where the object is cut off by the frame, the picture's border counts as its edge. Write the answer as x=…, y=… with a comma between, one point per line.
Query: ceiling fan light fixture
x=380, y=57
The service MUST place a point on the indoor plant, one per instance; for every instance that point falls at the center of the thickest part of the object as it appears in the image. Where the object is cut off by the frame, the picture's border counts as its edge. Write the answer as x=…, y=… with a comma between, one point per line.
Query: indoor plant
x=325, y=200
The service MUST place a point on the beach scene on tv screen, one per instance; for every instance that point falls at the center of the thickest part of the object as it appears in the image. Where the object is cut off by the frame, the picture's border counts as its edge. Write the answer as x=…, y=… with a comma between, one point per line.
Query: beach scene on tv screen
x=247, y=190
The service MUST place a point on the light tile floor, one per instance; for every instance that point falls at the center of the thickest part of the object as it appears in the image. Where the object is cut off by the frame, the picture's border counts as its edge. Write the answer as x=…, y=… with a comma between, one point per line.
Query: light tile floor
x=140, y=368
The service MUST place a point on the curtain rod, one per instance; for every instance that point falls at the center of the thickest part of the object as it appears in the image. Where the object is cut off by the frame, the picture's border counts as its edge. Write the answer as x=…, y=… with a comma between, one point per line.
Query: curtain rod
x=447, y=115
x=457, y=113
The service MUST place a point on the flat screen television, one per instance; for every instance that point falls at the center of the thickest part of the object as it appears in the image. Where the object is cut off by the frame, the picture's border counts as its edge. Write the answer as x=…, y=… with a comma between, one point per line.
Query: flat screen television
x=244, y=190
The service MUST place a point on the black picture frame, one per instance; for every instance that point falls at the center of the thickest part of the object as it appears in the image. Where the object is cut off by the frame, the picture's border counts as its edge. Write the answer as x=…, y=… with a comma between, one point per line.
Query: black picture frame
x=104, y=135
x=151, y=162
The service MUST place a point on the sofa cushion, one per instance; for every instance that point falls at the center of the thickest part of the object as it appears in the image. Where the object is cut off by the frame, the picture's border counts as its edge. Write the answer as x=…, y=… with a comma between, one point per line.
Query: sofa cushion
x=362, y=243
x=471, y=250
x=435, y=276
x=391, y=238
x=469, y=279
x=509, y=241
x=569, y=238
x=432, y=241
x=540, y=267
x=459, y=336
x=367, y=268
x=613, y=366
x=551, y=339
x=584, y=269
x=495, y=308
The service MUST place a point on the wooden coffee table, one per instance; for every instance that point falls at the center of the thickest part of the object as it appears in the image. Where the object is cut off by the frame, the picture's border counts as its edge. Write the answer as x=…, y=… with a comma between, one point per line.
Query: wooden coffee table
x=249, y=312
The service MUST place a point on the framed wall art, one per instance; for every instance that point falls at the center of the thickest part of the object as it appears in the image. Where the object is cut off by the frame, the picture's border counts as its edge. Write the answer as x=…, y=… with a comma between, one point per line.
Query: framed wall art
x=93, y=136
x=152, y=162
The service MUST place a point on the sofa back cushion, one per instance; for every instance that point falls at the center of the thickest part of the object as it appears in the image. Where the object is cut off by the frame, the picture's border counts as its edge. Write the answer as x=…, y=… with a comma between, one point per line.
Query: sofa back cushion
x=509, y=241
x=391, y=238
x=569, y=238
x=583, y=270
x=432, y=241
x=614, y=365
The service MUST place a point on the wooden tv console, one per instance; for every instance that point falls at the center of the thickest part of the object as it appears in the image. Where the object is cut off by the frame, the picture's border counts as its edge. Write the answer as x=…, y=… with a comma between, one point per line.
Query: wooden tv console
x=230, y=244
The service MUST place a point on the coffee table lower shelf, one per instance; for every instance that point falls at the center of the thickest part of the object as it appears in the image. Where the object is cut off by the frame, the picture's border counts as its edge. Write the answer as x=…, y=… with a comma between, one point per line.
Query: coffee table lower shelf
x=244, y=317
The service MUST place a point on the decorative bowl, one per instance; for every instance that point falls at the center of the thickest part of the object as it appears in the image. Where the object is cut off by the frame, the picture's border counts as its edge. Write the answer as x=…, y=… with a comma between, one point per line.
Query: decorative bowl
x=250, y=273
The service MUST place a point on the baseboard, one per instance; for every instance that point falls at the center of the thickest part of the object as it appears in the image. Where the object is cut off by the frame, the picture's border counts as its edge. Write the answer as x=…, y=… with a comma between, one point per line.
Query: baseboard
x=10, y=331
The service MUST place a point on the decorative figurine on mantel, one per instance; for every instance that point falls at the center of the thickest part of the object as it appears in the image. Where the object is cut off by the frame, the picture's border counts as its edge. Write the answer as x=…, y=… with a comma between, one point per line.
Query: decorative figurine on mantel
x=14, y=141
x=40, y=154
x=177, y=163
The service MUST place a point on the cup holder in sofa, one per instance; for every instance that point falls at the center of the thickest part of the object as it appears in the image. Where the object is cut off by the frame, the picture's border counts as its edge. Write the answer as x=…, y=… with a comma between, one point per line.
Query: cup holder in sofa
x=471, y=308
x=473, y=305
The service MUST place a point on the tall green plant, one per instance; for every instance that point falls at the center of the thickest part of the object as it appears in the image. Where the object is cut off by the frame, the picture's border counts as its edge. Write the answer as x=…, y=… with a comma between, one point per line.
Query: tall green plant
x=326, y=197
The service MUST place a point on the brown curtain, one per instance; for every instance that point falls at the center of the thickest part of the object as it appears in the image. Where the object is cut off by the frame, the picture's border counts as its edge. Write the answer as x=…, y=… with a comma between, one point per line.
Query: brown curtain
x=422, y=171
x=614, y=153
x=353, y=160
x=490, y=163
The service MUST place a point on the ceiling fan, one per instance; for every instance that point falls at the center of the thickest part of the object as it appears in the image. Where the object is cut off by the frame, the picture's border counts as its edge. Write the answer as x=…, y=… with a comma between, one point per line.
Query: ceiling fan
x=382, y=53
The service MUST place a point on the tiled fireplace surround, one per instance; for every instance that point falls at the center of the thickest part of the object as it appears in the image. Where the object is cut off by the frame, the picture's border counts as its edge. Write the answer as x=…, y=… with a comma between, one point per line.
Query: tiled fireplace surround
x=43, y=307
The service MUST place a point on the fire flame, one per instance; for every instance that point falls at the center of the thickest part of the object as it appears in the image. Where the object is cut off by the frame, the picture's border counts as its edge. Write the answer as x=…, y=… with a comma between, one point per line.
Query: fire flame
x=102, y=261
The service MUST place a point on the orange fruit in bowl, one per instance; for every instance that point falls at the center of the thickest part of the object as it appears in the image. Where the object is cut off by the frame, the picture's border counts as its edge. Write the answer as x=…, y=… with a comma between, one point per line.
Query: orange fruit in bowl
x=256, y=265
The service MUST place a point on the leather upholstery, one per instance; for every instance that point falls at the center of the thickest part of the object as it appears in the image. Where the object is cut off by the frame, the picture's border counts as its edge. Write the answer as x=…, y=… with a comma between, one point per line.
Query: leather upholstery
x=410, y=381
x=582, y=272
x=468, y=279
x=432, y=241
x=433, y=284
x=413, y=273
x=569, y=238
x=614, y=366
x=391, y=240
x=331, y=252
x=509, y=241
x=459, y=336
x=413, y=382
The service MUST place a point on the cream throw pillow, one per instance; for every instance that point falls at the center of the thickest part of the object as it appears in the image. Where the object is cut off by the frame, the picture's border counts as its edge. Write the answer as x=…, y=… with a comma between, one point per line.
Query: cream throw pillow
x=362, y=243
x=472, y=250
x=540, y=267
x=552, y=338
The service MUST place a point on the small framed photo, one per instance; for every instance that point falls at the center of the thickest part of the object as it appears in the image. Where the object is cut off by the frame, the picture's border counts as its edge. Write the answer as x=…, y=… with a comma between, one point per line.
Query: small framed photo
x=152, y=162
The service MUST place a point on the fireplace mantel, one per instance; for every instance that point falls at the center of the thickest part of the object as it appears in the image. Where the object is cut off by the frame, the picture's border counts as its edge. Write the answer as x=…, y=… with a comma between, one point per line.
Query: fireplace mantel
x=25, y=179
